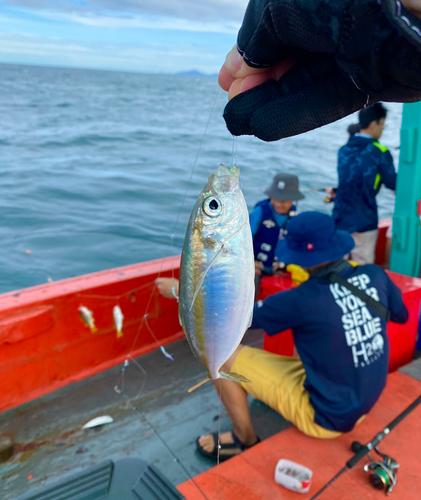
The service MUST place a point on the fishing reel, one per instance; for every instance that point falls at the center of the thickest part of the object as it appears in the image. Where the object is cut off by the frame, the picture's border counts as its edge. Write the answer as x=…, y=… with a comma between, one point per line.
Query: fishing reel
x=382, y=473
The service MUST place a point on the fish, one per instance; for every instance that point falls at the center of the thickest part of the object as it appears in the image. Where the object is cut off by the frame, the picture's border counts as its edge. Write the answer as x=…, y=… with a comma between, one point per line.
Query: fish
x=87, y=316
x=216, y=291
x=118, y=320
x=95, y=422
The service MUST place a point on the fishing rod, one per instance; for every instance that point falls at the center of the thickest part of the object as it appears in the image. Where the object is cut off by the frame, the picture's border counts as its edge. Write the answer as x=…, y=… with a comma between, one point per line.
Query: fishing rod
x=362, y=451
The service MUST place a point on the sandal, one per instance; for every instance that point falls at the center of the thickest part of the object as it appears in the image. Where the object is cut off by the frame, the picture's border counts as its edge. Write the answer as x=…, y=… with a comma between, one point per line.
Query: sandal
x=226, y=450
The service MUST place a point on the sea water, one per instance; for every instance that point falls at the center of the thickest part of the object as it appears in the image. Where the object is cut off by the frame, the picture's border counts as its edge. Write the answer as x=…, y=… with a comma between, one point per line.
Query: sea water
x=101, y=169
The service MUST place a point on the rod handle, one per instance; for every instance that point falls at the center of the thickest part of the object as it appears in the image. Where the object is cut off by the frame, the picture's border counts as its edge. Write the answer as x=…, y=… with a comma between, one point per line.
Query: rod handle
x=358, y=456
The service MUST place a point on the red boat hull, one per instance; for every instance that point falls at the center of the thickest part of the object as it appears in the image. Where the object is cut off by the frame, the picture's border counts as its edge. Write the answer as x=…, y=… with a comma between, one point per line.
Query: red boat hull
x=44, y=345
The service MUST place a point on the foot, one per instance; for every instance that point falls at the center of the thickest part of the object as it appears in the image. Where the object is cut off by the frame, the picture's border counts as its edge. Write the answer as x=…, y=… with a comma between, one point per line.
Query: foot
x=229, y=445
x=208, y=444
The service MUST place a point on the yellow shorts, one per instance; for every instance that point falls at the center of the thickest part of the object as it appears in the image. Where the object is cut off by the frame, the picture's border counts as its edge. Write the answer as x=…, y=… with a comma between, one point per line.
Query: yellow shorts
x=278, y=381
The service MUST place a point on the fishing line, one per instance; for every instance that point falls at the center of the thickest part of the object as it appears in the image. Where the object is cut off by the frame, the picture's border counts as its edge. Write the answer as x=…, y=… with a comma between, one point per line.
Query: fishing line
x=193, y=169
x=170, y=246
x=234, y=152
x=114, y=297
x=144, y=321
x=167, y=252
x=120, y=387
x=143, y=417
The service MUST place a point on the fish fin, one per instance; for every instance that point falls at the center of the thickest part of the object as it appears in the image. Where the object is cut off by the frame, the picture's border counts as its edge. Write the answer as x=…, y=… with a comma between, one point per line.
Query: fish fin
x=250, y=321
x=199, y=384
x=202, y=279
x=235, y=377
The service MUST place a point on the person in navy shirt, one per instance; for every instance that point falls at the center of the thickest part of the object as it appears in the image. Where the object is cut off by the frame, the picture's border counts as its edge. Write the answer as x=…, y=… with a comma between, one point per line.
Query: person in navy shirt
x=363, y=166
x=341, y=340
x=269, y=219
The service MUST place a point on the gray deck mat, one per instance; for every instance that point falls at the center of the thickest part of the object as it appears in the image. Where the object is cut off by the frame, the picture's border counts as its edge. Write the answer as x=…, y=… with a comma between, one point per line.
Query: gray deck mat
x=50, y=442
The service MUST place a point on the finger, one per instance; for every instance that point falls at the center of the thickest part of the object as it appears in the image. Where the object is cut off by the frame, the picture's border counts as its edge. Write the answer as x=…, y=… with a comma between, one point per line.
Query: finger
x=235, y=88
x=236, y=66
x=254, y=80
x=225, y=80
x=304, y=98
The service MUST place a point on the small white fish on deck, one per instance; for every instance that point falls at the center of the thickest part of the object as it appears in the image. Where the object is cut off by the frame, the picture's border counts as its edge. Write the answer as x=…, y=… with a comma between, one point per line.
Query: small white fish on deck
x=87, y=316
x=217, y=273
x=95, y=422
x=118, y=320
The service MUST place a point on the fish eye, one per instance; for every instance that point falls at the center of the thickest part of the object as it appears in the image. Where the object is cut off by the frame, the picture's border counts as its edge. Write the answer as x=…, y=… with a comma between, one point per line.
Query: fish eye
x=212, y=206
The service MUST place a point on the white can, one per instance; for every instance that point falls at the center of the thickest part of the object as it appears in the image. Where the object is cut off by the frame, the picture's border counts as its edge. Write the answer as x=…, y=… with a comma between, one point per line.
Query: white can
x=293, y=476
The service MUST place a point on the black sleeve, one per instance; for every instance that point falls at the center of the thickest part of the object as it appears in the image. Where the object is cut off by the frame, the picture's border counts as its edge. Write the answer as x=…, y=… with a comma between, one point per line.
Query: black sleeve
x=348, y=54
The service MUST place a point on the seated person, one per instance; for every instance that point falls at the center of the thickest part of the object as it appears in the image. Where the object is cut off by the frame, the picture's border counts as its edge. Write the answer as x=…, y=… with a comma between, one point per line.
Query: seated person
x=341, y=340
x=269, y=218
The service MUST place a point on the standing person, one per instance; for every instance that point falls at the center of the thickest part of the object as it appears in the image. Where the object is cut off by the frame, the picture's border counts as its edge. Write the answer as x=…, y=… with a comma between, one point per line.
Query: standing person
x=340, y=335
x=352, y=129
x=363, y=166
x=269, y=219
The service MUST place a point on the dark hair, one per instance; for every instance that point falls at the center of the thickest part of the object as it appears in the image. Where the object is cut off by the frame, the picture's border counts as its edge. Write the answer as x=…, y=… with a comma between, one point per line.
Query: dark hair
x=373, y=113
x=354, y=128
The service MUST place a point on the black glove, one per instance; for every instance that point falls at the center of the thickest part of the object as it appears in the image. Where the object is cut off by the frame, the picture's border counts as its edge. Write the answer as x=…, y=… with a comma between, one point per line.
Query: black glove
x=348, y=54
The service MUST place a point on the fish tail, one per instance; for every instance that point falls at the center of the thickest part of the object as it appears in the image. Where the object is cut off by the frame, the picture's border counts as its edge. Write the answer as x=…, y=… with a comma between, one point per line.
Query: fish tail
x=235, y=377
x=199, y=384
x=119, y=334
x=93, y=328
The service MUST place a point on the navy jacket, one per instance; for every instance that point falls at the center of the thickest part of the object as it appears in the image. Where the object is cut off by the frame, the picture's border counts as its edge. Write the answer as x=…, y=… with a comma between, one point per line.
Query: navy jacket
x=268, y=233
x=342, y=343
x=363, y=166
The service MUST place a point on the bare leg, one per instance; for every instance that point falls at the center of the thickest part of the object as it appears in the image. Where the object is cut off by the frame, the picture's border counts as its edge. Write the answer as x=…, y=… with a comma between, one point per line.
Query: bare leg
x=234, y=398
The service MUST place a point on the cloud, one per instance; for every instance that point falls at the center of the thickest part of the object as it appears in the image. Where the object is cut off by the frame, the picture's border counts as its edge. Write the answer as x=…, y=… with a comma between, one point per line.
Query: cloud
x=146, y=22
x=199, y=10
x=142, y=57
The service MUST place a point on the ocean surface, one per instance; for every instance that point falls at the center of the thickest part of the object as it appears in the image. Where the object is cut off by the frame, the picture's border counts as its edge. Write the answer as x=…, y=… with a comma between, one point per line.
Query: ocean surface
x=99, y=169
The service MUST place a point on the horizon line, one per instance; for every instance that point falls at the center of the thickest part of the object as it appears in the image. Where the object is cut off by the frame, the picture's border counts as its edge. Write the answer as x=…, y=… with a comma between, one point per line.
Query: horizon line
x=191, y=72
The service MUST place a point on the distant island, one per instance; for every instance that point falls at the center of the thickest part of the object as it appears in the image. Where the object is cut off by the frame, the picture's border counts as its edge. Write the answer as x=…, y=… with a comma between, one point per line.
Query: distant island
x=194, y=72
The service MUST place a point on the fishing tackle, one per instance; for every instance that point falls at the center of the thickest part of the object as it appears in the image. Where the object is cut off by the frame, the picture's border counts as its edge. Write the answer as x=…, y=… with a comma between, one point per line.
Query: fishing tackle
x=362, y=451
x=383, y=474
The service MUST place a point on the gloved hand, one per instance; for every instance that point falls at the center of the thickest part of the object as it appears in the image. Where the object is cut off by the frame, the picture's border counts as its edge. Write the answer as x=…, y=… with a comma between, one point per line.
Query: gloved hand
x=347, y=53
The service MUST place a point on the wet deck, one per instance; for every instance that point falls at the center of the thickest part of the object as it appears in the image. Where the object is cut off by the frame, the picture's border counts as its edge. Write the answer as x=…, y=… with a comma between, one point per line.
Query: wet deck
x=50, y=442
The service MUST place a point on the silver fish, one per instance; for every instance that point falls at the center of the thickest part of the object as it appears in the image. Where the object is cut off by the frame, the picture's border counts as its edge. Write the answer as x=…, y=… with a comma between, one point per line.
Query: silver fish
x=87, y=316
x=217, y=273
x=118, y=320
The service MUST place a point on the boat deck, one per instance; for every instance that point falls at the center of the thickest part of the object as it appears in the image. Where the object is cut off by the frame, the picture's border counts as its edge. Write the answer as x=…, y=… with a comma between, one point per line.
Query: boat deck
x=162, y=416
x=49, y=440
x=327, y=458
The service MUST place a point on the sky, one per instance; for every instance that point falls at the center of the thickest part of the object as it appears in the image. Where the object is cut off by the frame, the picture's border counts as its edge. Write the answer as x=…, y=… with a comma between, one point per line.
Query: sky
x=152, y=36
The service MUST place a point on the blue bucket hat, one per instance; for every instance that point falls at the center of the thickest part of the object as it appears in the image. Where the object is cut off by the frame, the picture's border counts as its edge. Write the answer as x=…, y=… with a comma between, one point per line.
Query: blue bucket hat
x=311, y=240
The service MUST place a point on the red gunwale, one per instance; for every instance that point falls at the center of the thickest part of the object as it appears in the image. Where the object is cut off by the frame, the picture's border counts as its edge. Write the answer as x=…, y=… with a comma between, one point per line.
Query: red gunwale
x=45, y=346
